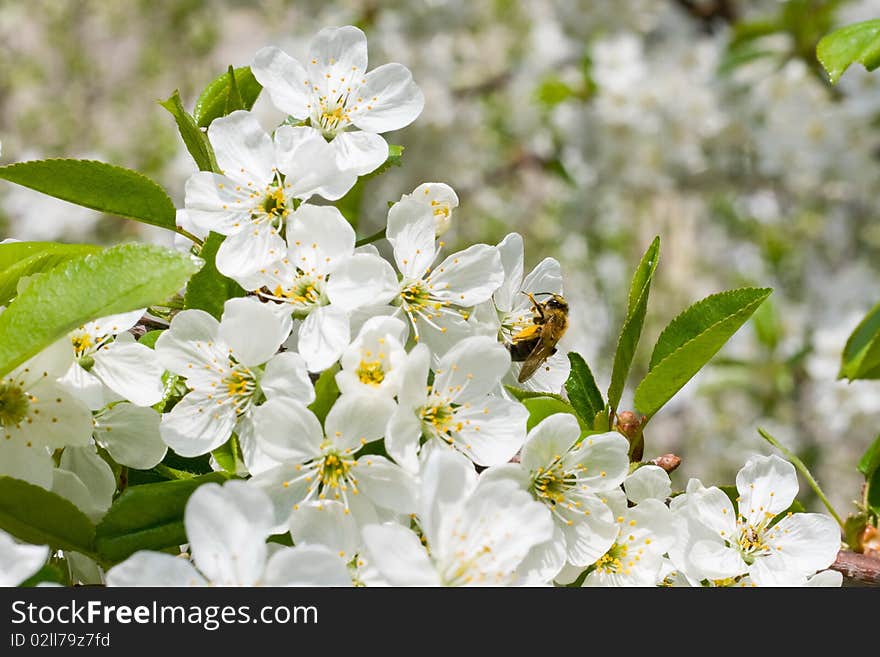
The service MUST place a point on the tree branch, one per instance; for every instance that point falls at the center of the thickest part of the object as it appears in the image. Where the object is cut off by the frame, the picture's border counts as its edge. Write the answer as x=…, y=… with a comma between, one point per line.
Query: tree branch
x=857, y=569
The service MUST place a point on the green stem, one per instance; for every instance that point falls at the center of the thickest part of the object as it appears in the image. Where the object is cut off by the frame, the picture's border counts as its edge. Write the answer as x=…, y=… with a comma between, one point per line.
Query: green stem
x=188, y=235
x=791, y=456
x=375, y=237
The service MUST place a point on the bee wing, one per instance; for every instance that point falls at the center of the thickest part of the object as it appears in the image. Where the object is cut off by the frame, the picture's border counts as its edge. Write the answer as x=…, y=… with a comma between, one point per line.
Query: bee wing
x=544, y=348
x=542, y=351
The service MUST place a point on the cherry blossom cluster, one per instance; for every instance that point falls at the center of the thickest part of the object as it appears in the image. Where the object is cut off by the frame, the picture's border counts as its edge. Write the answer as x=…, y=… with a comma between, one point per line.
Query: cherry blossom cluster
x=426, y=469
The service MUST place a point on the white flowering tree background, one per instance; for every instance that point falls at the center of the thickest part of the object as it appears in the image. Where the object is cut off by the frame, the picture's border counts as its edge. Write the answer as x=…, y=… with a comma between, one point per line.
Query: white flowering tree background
x=306, y=385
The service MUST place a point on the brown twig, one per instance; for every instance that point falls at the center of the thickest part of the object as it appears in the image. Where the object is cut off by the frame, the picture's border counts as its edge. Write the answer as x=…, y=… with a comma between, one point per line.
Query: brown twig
x=857, y=569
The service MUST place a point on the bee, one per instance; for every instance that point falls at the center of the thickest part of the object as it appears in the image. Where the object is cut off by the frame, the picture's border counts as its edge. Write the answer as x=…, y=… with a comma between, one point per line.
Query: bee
x=537, y=342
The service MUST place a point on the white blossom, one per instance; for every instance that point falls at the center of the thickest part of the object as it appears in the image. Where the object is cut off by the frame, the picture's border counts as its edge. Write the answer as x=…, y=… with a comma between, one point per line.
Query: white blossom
x=719, y=543
x=475, y=533
x=338, y=98
x=227, y=528
x=252, y=199
x=458, y=410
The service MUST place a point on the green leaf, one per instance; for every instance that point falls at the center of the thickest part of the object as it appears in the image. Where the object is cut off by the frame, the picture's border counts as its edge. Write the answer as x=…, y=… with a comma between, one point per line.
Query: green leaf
x=116, y=280
x=852, y=531
x=873, y=496
x=148, y=517
x=854, y=43
x=861, y=355
x=20, y=259
x=149, y=339
x=214, y=100
x=870, y=461
x=543, y=407
x=208, y=290
x=34, y=515
x=195, y=140
x=228, y=455
x=690, y=341
x=49, y=573
x=632, y=325
x=326, y=392
x=98, y=186
x=234, y=100
x=582, y=390
x=521, y=395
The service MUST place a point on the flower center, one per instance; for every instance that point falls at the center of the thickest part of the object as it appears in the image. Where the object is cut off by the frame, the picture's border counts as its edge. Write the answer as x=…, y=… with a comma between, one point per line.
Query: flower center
x=333, y=117
x=751, y=542
x=334, y=471
x=304, y=293
x=612, y=561
x=415, y=296
x=274, y=204
x=438, y=419
x=14, y=404
x=81, y=344
x=441, y=210
x=370, y=372
x=550, y=485
x=241, y=388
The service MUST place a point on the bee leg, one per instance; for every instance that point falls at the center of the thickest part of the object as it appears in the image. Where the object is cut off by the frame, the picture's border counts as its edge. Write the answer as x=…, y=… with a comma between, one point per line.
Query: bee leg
x=535, y=305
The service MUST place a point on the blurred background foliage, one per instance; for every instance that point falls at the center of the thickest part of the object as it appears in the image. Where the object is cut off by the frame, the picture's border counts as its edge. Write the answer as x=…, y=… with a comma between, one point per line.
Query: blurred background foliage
x=588, y=127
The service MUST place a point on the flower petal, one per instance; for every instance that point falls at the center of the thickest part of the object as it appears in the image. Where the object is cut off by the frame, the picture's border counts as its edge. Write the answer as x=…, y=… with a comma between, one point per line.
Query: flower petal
x=648, y=482
x=31, y=463
x=493, y=430
x=511, y=251
x=468, y=277
x=184, y=350
x=800, y=545
x=471, y=369
x=252, y=330
x=603, y=459
x=391, y=100
x=18, y=561
x=386, y=483
x=362, y=280
x=227, y=529
x=197, y=424
x=147, y=568
x=358, y=419
x=319, y=238
x=132, y=371
x=285, y=80
x=591, y=533
x=767, y=486
x=402, y=438
x=326, y=523
x=550, y=438
x=310, y=164
x=411, y=233
x=244, y=151
x=286, y=376
x=306, y=565
x=323, y=337
x=130, y=434
x=245, y=253
x=399, y=556
x=217, y=203
x=545, y=278
x=337, y=56
x=360, y=152
x=287, y=430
